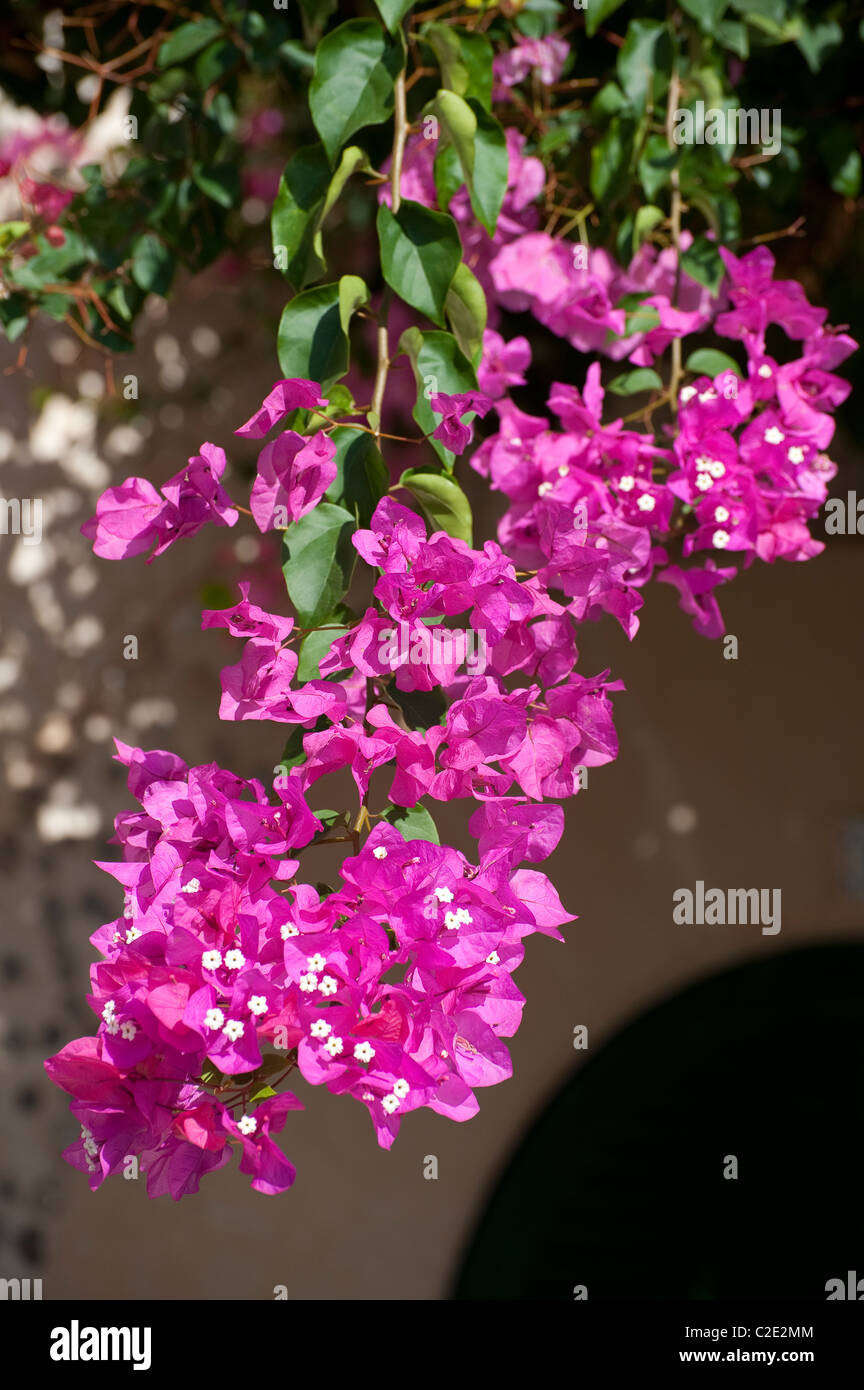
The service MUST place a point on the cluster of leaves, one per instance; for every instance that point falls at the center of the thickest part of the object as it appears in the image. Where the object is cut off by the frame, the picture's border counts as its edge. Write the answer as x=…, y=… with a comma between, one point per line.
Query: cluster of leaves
x=189, y=82
x=604, y=134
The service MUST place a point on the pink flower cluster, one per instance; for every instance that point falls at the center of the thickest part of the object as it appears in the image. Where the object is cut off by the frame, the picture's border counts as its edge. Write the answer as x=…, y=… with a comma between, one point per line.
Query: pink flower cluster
x=220, y=954
x=598, y=509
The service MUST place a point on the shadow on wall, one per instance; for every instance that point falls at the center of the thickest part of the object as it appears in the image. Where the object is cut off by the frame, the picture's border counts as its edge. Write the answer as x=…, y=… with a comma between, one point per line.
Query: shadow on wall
x=711, y=1150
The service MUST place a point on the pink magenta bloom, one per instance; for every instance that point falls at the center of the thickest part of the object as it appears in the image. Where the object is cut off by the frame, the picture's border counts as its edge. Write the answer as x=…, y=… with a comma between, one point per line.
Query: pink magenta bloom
x=451, y=431
x=294, y=393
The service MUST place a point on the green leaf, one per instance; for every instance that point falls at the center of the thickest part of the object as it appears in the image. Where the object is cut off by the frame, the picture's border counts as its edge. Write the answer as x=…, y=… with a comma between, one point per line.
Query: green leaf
x=609, y=101
x=702, y=262
x=838, y=145
x=152, y=266
x=189, y=39
x=307, y=193
x=319, y=561
x=656, y=163
x=646, y=54
x=353, y=159
x=264, y=1093
x=312, y=341
x=442, y=501
x=11, y=231
x=362, y=476
x=466, y=312
x=355, y=68
x=393, y=12
x=610, y=161
x=598, y=10
x=216, y=62
x=439, y=365
x=14, y=316
x=640, y=379
x=412, y=822
x=491, y=167
x=296, y=214
x=707, y=12
x=221, y=182
x=732, y=34
x=476, y=54
x=817, y=40
x=353, y=292
x=481, y=146
x=647, y=218
x=465, y=60
x=420, y=252
x=314, y=647
x=447, y=173
x=711, y=362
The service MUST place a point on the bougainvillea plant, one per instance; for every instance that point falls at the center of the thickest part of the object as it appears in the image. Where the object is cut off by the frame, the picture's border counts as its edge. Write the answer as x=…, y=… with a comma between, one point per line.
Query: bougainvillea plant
x=443, y=665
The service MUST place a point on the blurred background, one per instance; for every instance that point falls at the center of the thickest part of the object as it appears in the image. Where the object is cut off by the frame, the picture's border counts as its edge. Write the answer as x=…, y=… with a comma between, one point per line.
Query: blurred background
x=702, y=1042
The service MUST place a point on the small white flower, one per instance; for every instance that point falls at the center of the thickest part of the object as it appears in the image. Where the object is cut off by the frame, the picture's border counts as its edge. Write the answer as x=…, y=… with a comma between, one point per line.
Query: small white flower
x=214, y=1018
x=234, y=1029
x=112, y=1026
x=563, y=470
x=235, y=960
x=132, y=935
x=258, y=1005
x=627, y=483
x=128, y=1029
x=109, y=1010
x=320, y=1029
x=774, y=435
x=687, y=394
x=720, y=540
x=493, y=958
x=379, y=852
x=247, y=1124
x=193, y=886
x=544, y=489
x=796, y=454
x=704, y=481
x=368, y=1097
x=364, y=1052
x=316, y=963
x=451, y=921
x=516, y=442
x=463, y=915
x=328, y=985
x=401, y=1088
x=390, y=1104
x=765, y=371
x=646, y=502
x=211, y=960
x=288, y=930
x=443, y=895
x=309, y=983
x=334, y=1046
x=709, y=395
x=721, y=513
x=716, y=468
